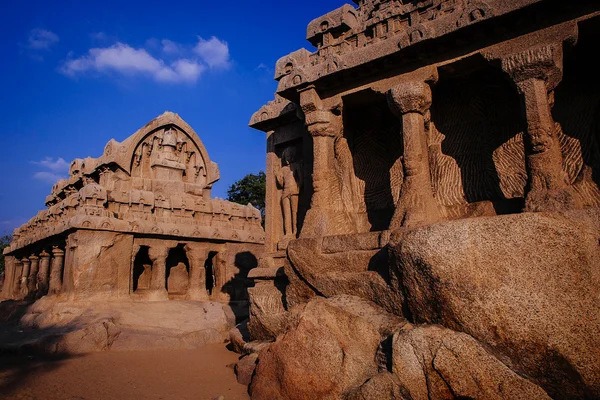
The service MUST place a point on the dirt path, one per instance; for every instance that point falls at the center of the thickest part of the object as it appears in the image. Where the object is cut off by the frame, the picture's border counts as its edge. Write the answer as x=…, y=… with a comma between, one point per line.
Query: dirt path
x=175, y=374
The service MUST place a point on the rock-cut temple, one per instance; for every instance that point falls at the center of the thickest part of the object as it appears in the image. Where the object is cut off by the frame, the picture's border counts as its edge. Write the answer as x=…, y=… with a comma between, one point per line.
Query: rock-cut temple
x=137, y=222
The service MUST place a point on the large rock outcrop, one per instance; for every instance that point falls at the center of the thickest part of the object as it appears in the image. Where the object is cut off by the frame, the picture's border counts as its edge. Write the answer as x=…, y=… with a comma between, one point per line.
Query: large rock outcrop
x=332, y=350
x=524, y=285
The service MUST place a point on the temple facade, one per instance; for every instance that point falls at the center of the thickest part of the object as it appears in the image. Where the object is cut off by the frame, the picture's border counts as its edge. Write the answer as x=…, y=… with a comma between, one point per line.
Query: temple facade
x=428, y=158
x=138, y=222
x=411, y=113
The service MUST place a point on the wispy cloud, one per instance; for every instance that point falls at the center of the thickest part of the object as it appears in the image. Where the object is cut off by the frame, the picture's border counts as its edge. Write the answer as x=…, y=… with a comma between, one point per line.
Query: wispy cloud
x=124, y=59
x=214, y=52
x=58, y=165
x=170, y=47
x=55, y=169
x=48, y=177
x=41, y=39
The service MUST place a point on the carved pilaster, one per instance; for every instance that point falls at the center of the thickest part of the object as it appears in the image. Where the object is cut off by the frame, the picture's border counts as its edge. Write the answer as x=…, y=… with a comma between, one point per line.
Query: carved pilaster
x=197, y=284
x=326, y=215
x=9, y=278
x=158, y=288
x=220, y=266
x=24, y=285
x=32, y=279
x=43, y=274
x=56, y=270
x=536, y=73
x=416, y=205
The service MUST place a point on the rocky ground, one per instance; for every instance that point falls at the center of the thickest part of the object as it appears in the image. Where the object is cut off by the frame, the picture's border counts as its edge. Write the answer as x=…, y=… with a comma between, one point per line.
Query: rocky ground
x=56, y=350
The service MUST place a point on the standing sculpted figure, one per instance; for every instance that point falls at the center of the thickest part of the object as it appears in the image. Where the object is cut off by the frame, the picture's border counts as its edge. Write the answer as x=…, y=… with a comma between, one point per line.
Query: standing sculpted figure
x=289, y=179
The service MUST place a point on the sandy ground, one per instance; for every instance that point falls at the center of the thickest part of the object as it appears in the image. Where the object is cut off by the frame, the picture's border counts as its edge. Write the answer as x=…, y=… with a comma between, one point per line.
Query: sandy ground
x=168, y=374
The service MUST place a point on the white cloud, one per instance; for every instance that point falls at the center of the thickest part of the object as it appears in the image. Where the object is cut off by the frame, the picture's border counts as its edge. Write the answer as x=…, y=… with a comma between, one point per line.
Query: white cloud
x=170, y=47
x=41, y=39
x=55, y=169
x=127, y=60
x=48, y=177
x=213, y=52
x=58, y=165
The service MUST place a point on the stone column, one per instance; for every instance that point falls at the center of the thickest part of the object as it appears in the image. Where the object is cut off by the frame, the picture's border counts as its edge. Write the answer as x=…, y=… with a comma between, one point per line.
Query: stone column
x=326, y=215
x=536, y=73
x=158, y=289
x=416, y=206
x=56, y=270
x=220, y=271
x=24, y=284
x=33, y=272
x=9, y=277
x=197, y=285
x=274, y=218
x=16, y=292
x=43, y=274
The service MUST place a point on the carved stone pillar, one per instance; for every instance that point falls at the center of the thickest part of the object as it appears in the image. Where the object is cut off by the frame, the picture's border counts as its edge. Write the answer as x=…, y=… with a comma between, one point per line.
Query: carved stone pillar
x=197, y=285
x=416, y=205
x=24, y=285
x=32, y=279
x=220, y=271
x=56, y=270
x=158, y=289
x=536, y=73
x=16, y=292
x=43, y=274
x=326, y=215
x=9, y=278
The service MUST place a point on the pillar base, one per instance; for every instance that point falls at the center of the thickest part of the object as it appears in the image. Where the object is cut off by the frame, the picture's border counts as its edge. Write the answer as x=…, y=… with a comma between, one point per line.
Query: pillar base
x=197, y=295
x=416, y=207
x=157, y=295
x=548, y=200
x=321, y=222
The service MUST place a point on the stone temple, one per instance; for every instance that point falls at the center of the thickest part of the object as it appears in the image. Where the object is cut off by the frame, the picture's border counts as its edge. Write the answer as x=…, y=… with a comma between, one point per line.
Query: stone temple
x=138, y=223
x=433, y=205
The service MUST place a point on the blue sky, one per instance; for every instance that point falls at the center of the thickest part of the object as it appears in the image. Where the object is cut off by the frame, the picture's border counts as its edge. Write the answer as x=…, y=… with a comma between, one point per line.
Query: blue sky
x=76, y=74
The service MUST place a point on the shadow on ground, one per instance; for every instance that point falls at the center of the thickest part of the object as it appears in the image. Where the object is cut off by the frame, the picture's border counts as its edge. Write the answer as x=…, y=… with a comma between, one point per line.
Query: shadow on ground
x=19, y=359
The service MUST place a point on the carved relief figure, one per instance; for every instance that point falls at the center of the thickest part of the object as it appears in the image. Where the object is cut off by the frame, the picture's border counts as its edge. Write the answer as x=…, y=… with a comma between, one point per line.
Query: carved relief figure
x=289, y=179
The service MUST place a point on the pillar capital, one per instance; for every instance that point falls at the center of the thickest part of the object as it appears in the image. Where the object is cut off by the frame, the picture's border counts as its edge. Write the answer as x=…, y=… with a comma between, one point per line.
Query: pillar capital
x=57, y=252
x=410, y=97
x=34, y=257
x=543, y=63
x=158, y=253
x=26, y=260
x=44, y=254
x=319, y=120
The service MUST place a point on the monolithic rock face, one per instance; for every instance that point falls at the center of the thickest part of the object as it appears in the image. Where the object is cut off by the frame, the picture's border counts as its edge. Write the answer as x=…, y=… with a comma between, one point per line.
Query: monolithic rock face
x=431, y=362
x=524, y=285
x=346, y=347
x=331, y=350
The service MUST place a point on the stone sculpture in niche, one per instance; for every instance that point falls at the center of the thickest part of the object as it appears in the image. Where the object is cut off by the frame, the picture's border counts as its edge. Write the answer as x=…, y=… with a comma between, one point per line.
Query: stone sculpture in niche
x=289, y=179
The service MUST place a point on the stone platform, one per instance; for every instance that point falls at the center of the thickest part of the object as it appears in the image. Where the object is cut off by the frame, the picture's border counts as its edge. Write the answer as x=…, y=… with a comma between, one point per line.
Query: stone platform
x=57, y=325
